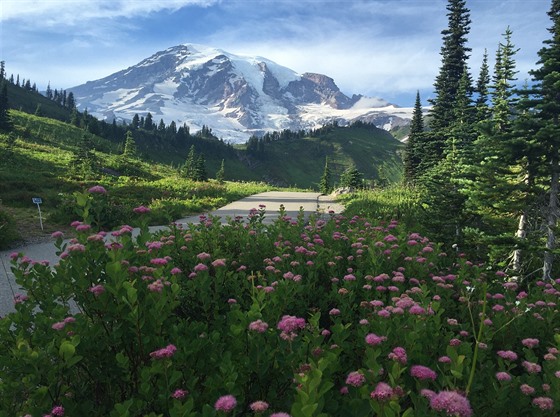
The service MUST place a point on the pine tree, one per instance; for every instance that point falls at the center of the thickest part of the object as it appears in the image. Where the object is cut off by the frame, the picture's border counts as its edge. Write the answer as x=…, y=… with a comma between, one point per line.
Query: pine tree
x=220, y=175
x=547, y=108
x=135, y=124
x=130, y=150
x=325, y=186
x=5, y=119
x=412, y=156
x=189, y=168
x=70, y=101
x=2, y=70
x=149, y=122
x=455, y=54
x=200, y=169
x=481, y=89
x=351, y=178
x=49, y=93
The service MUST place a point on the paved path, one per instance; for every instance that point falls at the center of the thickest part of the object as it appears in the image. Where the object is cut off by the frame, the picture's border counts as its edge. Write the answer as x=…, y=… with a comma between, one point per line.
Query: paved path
x=292, y=201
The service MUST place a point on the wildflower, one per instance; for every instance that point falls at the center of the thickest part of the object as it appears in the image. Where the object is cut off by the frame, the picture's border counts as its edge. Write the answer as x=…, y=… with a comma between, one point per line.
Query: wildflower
x=219, y=263
x=454, y=342
x=423, y=372
x=453, y=403
x=258, y=326
x=141, y=209
x=179, y=394
x=225, y=403
x=58, y=325
x=382, y=392
x=83, y=227
x=290, y=323
x=200, y=267
x=344, y=390
x=156, y=286
x=398, y=354
x=503, y=376
x=280, y=415
x=334, y=312
x=58, y=411
x=57, y=234
x=373, y=340
x=530, y=343
x=356, y=379
x=203, y=256
x=166, y=352
x=507, y=355
x=97, y=189
x=544, y=403
x=175, y=271
x=158, y=261
x=526, y=389
x=531, y=367
x=20, y=298
x=259, y=406
x=416, y=310
x=444, y=359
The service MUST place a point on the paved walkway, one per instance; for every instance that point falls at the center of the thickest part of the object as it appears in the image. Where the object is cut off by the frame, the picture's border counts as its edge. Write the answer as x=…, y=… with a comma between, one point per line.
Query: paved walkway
x=292, y=201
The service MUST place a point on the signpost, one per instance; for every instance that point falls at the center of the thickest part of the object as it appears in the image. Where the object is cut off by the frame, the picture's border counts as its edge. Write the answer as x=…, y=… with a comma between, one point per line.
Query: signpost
x=39, y=201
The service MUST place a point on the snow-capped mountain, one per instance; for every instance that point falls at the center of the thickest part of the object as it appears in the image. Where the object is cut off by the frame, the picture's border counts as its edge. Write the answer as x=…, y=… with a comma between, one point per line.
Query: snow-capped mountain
x=234, y=95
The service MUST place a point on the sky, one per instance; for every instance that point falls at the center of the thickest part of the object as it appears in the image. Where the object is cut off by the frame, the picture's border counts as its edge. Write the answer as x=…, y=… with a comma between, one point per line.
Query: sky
x=379, y=48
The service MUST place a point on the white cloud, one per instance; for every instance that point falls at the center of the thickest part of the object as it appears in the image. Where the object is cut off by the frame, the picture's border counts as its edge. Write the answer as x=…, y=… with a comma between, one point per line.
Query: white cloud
x=70, y=12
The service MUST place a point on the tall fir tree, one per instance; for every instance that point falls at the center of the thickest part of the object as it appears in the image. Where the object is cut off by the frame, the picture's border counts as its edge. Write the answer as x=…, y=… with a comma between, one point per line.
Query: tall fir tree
x=455, y=54
x=547, y=106
x=129, y=150
x=5, y=119
x=221, y=173
x=413, y=149
x=325, y=184
x=482, y=90
x=189, y=169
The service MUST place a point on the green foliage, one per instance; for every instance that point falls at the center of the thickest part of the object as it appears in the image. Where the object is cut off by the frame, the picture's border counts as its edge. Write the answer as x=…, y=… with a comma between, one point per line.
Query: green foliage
x=351, y=178
x=8, y=231
x=165, y=324
x=325, y=184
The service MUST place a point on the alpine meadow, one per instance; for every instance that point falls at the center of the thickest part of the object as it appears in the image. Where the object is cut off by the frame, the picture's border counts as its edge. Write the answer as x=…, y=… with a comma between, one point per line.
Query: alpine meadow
x=434, y=293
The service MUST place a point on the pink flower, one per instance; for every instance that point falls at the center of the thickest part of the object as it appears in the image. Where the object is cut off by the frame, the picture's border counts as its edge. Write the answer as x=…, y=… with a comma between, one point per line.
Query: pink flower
x=175, y=271
x=444, y=359
x=544, y=403
x=373, y=340
x=218, y=263
x=225, y=403
x=423, y=372
x=526, y=389
x=158, y=261
x=453, y=403
x=291, y=323
x=280, y=415
x=97, y=189
x=57, y=234
x=20, y=298
x=58, y=325
x=382, y=392
x=503, y=376
x=356, y=379
x=97, y=290
x=507, y=355
x=259, y=406
x=166, y=352
x=258, y=326
x=531, y=367
x=399, y=354
x=141, y=209
x=156, y=286
x=57, y=411
x=334, y=312
x=200, y=267
x=203, y=256
x=530, y=343
x=179, y=394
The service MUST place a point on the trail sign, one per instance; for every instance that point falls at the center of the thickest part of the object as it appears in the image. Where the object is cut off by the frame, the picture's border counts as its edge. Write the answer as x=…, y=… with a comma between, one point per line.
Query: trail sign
x=39, y=201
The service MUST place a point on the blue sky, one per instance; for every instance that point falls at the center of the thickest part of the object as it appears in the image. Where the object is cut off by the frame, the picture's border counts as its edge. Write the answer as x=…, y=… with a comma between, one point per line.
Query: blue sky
x=380, y=48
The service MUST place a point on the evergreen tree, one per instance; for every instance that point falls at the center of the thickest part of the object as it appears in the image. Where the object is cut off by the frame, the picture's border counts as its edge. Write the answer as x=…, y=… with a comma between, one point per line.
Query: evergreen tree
x=412, y=156
x=220, y=175
x=135, y=124
x=2, y=70
x=85, y=162
x=49, y=93
x=70, y=101
x=189, y=169
x=547, y=106
x=454, y=53
x=481, y=89
x=351, y=178
x=149, y=122
x=200, y=168
x=325, y=186
x=5, y=120
x=130, y=150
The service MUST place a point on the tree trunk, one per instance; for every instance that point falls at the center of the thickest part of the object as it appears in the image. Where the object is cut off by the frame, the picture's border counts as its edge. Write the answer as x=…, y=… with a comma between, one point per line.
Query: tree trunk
x=521, y=234
x=551, y=217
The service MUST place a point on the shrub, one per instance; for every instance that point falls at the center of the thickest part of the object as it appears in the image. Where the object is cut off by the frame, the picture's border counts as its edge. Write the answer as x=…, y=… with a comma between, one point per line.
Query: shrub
x=326, y=317
x=8, y=230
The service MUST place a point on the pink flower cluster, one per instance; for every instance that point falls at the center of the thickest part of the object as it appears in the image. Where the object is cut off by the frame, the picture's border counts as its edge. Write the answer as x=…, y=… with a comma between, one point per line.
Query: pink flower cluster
x=166, y=352
x=423, y=372
x=356, y=379
x=373, y=340
x=450, y=402
x=258, y=326
x=225, y=403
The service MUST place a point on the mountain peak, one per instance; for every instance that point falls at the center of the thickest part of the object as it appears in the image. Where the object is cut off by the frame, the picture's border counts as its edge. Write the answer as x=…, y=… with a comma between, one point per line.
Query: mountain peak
x=236, y=95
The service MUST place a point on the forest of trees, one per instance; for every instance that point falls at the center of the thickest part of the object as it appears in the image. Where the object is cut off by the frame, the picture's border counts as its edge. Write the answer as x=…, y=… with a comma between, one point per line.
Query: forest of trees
x=486, y=157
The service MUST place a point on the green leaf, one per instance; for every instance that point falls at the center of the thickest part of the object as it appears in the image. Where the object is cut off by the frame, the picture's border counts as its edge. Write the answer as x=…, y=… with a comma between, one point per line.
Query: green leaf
x=66, y=350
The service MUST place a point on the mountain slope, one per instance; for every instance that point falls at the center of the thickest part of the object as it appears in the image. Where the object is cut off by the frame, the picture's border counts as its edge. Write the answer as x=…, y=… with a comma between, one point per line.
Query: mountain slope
x=237, y=96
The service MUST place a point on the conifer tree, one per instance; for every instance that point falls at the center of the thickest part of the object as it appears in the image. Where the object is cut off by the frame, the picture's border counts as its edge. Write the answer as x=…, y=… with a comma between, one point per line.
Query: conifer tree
x=351, y=177
x=220, y=175
x=200, y=168
x=130, y=150
x=325, y=186
x=547, y=106
x=5, y=119
x=189, y=168
x=413, y=149
x=481, y=89
x=455, y=54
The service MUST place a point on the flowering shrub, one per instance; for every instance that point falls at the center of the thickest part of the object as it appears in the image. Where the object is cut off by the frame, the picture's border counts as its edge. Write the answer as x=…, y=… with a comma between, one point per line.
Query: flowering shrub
x=326, y=317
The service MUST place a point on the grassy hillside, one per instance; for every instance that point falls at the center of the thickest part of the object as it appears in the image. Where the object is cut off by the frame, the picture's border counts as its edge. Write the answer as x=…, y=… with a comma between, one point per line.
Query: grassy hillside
x=301, y=162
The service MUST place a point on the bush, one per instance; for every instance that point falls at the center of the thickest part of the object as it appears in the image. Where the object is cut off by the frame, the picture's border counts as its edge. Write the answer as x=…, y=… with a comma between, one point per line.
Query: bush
x=8, y=230
x=331, y=317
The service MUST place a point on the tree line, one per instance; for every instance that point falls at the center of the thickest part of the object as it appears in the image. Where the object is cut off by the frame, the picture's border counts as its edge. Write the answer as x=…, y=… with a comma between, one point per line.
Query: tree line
x=487, y=154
